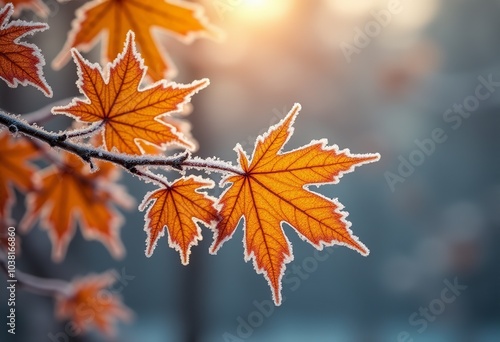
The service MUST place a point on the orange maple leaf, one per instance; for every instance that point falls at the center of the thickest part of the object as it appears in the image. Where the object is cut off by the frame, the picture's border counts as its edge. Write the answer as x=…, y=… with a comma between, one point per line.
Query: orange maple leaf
x=90, y=304
x=68, y=193
x=178, y=207
x=20, y=62
x=15, y=169
x=109, y=21
x=272, y=189
x=129, y=114
x=37, y=6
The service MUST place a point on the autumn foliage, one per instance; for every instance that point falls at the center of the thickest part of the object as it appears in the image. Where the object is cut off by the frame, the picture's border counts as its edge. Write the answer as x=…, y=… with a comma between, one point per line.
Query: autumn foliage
x=91, y=304
x=126, y=119
x=127, y=113
x=67, y=193
x=272, y=188
x=110, y=20
x=15, y=169
x=20, y=62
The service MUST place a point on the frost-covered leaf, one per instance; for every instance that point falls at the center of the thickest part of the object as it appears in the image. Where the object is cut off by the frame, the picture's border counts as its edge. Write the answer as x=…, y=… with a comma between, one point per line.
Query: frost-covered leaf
x=273, y=189
x=178, y=208
x=91, y=305
x=68, y=193
x=15, y=169
x=129, y=114
x=109, y=20
x=20, y=62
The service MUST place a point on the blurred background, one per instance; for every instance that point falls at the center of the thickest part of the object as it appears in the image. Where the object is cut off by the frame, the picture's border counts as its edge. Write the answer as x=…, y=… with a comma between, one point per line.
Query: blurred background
x=371, y=76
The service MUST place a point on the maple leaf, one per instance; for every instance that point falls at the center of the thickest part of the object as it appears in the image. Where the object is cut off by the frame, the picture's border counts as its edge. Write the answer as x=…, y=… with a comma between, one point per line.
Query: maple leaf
x=68, y=193
x=178, y=207
x=182, y=126
x=15, y=169
x=109, y=21
x=91, y=305
x=129, y=114
x=20, y=62
x=37, y=6
x=272, y=189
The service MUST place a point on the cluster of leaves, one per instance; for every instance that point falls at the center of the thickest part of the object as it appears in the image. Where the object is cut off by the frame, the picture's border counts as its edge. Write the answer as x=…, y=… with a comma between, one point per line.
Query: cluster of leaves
x=127, y=111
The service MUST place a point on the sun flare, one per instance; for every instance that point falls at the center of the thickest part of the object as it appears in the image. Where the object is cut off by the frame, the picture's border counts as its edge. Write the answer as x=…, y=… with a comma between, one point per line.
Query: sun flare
x=262, y=11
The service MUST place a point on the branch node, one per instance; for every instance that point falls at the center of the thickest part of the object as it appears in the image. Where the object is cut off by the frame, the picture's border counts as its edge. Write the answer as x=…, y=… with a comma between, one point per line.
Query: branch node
x=88, y=160
x=13, y=129
x=177, y=163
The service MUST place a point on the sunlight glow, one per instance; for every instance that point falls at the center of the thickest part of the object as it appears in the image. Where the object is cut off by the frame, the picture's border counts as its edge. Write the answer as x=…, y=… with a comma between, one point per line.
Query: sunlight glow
x=417, y=14
x=262, y=11
x=352, y=8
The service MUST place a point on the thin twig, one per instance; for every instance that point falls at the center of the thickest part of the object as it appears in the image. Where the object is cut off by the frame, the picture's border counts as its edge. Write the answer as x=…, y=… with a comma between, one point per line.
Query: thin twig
x=42, y=286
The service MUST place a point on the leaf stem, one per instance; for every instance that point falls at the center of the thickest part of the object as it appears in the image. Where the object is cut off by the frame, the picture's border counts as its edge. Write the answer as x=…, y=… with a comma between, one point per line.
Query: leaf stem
x=84, y=131
x=207, y=164
x=150, y=176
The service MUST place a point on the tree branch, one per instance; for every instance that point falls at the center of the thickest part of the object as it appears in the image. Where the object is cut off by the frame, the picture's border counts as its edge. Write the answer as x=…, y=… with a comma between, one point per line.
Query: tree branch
x=128, y=162
x=41, y=286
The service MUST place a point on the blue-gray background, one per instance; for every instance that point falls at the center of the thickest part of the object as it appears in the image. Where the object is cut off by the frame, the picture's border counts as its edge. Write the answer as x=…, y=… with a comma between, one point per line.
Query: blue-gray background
x=439, y=225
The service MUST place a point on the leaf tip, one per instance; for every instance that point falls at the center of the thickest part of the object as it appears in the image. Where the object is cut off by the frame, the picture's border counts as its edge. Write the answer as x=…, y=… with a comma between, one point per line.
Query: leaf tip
x=7, y=10
x=375, y=157
x=297, y=107
x=184, y=257
x=216, y=244
x=149, y=249
x=201, y=84
x=291, y=115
